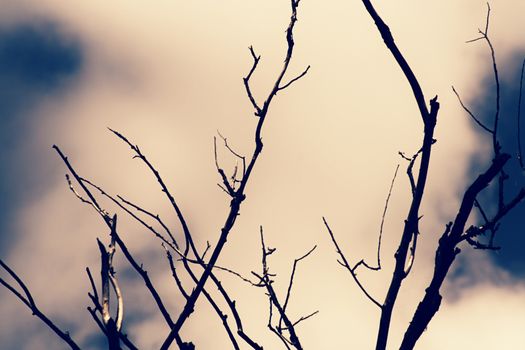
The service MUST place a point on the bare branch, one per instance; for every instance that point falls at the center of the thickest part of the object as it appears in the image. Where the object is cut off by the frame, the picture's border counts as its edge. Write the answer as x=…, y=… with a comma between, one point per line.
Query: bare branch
x=290, y=284
x=491, y=225
x=93, y=287
x=246, y=81
x=520, y=153
x=173, y=244
x=239, y=195
x=180, y=216
x=304, y=318
x=485, y=36
x=233, y=308
x=30, y=303
x=471, y=114
x=294, y=79
x=274, y=330
x=401, y=61
x=111, y=327
x=80, y=181
x=447, y=251
x=429, y=118
x=156, y=217
x=378, y=267
x=265, y=279
x=175, y=274
x=346, y=265
x=144, y=274
x=229, y=189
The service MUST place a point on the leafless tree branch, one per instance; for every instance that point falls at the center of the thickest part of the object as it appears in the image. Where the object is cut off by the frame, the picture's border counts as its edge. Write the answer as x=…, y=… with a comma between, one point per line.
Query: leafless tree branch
x=344, y=262
x=472, y=114
x=520, y=153
x=447, y=251
x=30, y=303
x=485, y=36
x=239, y=195
x=265, y=277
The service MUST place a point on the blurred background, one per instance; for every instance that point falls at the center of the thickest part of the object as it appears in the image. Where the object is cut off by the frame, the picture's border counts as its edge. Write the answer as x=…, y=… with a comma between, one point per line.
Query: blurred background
x=168, y=75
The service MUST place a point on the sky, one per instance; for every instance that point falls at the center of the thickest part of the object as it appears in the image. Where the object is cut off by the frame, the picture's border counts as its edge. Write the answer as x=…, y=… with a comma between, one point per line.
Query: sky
x=168, y=75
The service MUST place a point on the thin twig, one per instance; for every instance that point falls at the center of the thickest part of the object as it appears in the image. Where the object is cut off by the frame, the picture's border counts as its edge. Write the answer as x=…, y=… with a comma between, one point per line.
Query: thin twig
x=471, y=114
x=346, y=265
x=156, y=174
x=30, y=303
x=246, y=81
x=485, y=36
x=239, y=195
x=156, y=217
x=265, y=278
x=175, y=274
x=173, y=244
x=294, y=79
x=520, y=154
x=381, y=226
x=290, y=284
x=304, y=318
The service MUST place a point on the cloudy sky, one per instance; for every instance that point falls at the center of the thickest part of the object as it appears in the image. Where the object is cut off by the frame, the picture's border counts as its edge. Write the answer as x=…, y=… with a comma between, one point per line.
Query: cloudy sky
x=168, y=74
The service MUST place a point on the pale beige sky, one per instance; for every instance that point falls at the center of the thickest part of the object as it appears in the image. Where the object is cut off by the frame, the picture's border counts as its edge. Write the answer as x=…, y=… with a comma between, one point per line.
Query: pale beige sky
x=168, y=75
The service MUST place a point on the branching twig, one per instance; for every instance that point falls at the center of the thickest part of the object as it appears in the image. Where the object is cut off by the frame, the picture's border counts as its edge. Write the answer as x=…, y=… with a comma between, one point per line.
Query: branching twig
x=344, y=262
x=246, y=81
x=156, y=174
x=290, y=284
x=485, y=36
x=238, y=196
x=266, y=281
x=362, y=261
x=429, y=117
x=173, y=244
x=447, y=251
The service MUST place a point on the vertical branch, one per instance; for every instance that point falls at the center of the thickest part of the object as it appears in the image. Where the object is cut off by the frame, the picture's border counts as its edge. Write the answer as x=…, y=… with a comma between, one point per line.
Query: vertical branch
x=290, y=284
x=485, y=36
x=384, y=30
x=266, y=281
x=496, y=80
x=109, y=323
x=383, y=221
x=108, y=276
x=520, y=153
x=410, y=229
x=238, y=196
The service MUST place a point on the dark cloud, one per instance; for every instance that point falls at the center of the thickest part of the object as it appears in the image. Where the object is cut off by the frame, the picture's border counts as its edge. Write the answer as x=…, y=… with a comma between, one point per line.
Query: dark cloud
x=36, y=61
x=511, y=234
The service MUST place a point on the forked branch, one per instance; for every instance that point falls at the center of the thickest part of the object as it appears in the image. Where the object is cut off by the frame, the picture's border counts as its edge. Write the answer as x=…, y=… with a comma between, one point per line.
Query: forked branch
x=238, y=195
